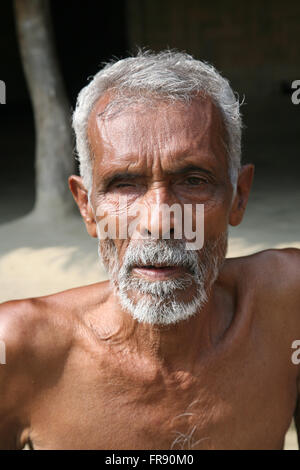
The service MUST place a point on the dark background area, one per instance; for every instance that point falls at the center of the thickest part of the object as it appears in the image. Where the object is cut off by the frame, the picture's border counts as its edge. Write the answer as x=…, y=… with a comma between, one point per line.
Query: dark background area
x=254, y=44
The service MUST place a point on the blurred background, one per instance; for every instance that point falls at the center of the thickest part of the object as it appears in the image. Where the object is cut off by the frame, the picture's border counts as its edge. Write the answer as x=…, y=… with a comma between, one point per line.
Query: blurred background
x=47, y=52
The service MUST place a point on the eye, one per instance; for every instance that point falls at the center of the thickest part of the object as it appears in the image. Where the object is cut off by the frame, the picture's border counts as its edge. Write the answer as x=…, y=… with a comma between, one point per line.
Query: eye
x=195, y=180
x=124, y=185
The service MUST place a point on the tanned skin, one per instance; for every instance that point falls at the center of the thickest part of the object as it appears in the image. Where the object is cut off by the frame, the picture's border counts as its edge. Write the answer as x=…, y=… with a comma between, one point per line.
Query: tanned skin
x=81, y=373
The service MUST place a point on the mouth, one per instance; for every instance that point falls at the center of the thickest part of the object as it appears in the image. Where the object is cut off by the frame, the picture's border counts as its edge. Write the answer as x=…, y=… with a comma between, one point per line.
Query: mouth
x=158, y=271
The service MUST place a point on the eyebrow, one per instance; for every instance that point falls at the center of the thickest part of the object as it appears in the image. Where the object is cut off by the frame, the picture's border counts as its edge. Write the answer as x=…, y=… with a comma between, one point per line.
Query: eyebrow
x=125, y=175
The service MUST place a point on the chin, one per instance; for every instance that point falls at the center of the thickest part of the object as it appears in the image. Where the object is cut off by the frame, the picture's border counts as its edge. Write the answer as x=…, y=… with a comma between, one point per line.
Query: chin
x=156, y=310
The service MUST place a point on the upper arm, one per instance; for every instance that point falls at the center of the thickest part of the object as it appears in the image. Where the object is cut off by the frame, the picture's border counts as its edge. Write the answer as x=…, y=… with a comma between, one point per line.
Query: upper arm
x=14, y=380
x=278, y=282
x=297, y=414
x=36, y=337
x=290, y=262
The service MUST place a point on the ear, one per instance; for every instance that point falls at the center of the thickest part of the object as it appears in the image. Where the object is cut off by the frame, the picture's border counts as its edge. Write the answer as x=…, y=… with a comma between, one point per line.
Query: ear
x=239, y=204
x=80, y=195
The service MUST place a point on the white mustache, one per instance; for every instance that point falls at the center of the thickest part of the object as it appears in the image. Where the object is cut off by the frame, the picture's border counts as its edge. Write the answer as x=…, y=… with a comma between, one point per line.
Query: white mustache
x=164, y=252
x=158, y=303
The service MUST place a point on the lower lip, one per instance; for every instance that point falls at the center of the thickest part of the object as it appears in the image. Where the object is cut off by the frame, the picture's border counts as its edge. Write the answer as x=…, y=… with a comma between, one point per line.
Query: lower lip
x=159, y=273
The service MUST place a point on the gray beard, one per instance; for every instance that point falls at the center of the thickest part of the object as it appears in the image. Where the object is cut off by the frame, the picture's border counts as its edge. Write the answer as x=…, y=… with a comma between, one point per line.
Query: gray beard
x=157, y=302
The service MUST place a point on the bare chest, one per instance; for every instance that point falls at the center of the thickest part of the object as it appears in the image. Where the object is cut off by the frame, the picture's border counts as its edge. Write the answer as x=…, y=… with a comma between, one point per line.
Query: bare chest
x=240, y=401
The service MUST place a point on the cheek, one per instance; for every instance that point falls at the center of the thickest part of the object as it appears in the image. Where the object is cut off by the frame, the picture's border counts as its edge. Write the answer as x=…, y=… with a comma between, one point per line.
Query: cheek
x=118, y=217
x=216, y=218
x=115, y=205
x=109, y=213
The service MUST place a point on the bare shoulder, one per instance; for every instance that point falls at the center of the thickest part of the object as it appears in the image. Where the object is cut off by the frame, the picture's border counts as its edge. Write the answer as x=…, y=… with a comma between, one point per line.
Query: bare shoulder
x=271, y=278
x=30, y=329
x=269, y=266
x=37, y=332
x=42, y=327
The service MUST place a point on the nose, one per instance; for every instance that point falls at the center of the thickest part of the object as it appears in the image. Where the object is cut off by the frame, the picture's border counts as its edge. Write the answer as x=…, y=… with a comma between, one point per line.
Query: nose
x=157, y=215
x=157, y=222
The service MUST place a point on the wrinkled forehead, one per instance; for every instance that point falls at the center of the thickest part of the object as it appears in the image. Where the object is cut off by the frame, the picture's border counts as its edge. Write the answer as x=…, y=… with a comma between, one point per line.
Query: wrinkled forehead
x=157, y=126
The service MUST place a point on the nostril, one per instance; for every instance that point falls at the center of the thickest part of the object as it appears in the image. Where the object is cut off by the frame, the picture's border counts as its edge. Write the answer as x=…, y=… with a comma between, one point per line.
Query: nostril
x=167, y=235
x=170, y=234
x=147, y=233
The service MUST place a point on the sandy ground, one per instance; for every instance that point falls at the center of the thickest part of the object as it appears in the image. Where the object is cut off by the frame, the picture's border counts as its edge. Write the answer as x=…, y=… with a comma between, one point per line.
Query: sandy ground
x=37, y=258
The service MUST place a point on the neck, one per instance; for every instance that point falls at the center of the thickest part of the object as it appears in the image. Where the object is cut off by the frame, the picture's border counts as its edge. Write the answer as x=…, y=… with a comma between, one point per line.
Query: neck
x=176, y=346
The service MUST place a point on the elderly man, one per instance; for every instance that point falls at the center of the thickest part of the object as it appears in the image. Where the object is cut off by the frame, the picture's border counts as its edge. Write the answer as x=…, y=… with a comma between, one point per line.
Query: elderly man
x=181, y=348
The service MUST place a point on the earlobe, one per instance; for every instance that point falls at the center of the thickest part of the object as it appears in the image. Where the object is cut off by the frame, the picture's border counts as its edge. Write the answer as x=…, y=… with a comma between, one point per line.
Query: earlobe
x=242, y=194
x=235, y=216
x=80, y=195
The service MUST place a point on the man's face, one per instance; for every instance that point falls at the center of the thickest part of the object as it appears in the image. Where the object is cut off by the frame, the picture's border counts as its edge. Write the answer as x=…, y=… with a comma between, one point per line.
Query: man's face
x=148, y=157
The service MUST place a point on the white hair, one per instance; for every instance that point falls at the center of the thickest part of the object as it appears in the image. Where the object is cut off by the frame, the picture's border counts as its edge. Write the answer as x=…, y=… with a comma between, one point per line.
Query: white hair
x=171, y=75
